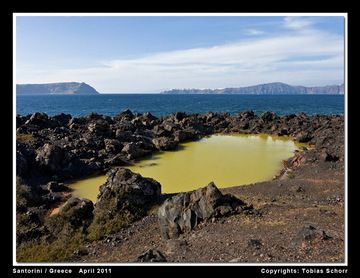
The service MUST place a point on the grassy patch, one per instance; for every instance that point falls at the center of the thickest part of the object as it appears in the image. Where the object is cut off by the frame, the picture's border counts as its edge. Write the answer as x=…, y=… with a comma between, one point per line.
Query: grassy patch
x=22, y=137
x=290, y=175
x=105, y=224
x=60, y=250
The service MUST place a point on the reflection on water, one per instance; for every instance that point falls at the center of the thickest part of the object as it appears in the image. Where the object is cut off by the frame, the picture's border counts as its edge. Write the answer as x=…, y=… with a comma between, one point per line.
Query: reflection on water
x=228, y=160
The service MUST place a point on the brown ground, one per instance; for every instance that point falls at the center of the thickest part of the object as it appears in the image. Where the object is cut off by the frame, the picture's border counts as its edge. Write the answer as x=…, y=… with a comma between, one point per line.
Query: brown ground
x=311, y=195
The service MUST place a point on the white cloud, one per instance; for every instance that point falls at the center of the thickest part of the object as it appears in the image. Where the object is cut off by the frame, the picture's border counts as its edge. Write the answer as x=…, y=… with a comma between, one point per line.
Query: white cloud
x=254, y=32
x=249, y=62
x=297, y=22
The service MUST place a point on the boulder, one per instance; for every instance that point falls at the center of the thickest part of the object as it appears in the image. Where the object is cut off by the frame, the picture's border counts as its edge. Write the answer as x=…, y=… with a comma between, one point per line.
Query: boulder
x=112, y=145
x=77, y=211
x=309, y=236
x=303, y=137
x=50, y=157
x=160, y=131
x=62, y=119
x=124, y=198
x=134, y=150
x=151, y=256
x=123, y=135
x=100, y=128
x=249, y=115
x=54, y=186
x=268, y=117
x=328, y=157
x=39, y=119
x=255, y=244
x=164, y=143
x=149, y=116
x=185, y=211
x=183, y=135
x=169, y=126
x=125, y=114
x=179, y=116
x=124, y=187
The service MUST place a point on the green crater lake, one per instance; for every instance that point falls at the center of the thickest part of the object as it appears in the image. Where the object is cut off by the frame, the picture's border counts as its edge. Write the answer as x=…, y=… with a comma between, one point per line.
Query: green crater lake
x=227, y=160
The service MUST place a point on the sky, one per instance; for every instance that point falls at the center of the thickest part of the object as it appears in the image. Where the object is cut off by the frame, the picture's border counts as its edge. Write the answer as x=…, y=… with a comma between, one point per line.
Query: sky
x=156, y=53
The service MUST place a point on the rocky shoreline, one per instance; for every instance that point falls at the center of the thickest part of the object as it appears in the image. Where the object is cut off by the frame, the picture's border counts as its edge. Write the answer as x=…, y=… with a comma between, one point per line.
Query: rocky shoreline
x=51, y=151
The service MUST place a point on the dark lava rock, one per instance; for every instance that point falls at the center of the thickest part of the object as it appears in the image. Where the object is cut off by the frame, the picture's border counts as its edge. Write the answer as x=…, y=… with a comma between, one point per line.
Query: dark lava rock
x=117, y=160
x=112, y=145
x=62, y=119
x=35, y=214
x=255, y=243
x=38, y=119
x=151, y=256
x=325, y=156
x=135, y=150
x=54, y=186
x=21, y=164
x=77, y=211
x=124, y=198
x=126, y=114
x=125, y=187
x=179, y=116
x=50, y=157
x=100, y=128
x=81, y=252
x=186, y=134
x=184, y=211
x=303, y=137
x=268, y=117
x=164, y=143
x=309, y=235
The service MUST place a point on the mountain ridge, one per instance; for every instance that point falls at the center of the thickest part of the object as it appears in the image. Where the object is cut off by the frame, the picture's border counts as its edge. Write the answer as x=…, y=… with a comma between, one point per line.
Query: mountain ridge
x=275, y=88
x=60, y=88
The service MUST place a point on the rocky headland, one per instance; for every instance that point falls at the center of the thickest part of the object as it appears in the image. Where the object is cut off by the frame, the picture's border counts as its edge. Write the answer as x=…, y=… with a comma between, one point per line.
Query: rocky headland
x=61, y=88
x=296, y=217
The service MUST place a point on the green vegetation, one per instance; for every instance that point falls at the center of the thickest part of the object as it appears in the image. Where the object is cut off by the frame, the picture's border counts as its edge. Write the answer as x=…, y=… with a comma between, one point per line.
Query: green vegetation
x=290, y=175
x=106, y=224
x=59, y=250
x=23, y=194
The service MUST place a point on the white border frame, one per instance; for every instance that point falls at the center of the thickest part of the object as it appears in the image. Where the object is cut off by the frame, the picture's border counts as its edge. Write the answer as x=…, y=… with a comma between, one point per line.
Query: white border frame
x=345, y=15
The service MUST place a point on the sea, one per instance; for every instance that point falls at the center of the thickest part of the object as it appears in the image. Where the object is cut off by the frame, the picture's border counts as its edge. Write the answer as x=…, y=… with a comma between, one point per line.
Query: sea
x=163, y=104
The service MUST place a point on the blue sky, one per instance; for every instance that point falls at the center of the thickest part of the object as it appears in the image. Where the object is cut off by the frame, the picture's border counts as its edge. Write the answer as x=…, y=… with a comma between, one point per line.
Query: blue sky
x=149, y=54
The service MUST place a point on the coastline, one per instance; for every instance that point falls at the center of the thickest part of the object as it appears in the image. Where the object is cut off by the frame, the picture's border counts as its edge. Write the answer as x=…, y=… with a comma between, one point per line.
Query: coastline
x=95, y=143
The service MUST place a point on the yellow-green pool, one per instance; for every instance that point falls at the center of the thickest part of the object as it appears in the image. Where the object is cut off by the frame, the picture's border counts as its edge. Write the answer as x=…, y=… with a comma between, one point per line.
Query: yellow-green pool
x=227, y=160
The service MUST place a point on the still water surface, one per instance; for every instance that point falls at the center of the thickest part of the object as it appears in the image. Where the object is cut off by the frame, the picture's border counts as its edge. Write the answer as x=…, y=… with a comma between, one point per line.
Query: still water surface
x=227, y=160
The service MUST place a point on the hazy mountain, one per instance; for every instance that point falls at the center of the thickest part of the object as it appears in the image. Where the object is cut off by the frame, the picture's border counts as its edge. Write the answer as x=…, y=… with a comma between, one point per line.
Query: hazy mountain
x=276, y=88
x=63, y=88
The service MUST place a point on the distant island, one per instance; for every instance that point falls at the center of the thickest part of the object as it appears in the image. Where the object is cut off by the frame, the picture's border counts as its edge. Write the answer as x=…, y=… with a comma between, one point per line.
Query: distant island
x=63, y=88
x=276, y=88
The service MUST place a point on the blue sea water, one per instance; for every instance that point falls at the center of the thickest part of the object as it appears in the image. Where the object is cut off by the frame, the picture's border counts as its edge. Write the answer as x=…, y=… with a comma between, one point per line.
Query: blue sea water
x=160, y=105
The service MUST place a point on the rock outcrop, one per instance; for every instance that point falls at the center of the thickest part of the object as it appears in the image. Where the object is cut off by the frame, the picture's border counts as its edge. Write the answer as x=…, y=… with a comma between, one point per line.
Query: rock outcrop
x=184, y=211
x=151, y=256
x=77, y=211
x=124, y=198
x=68, y=88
